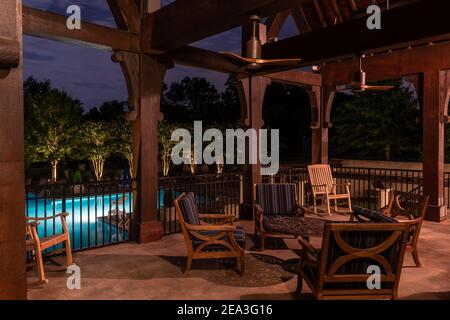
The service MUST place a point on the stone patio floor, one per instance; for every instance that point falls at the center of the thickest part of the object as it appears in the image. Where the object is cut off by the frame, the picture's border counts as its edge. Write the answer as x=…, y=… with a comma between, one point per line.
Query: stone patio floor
x=154, y=271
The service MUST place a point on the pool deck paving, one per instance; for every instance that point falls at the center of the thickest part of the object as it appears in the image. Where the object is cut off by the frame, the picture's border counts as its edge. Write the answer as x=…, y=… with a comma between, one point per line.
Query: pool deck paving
x=154, y=271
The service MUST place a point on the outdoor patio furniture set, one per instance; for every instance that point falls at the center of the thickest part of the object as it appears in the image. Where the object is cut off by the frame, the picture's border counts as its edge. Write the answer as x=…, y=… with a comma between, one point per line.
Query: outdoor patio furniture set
x=371, y=240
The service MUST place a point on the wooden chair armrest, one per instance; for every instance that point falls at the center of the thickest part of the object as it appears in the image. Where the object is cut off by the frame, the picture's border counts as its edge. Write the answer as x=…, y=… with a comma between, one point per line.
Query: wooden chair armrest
x=301, y=210
x=33, y=224
x=411, y=222
x=209, y=227
x=342, y=184
x=318, y=185
x=384, y=210
x=258, y=207
x=308, y=252
x=62, y=215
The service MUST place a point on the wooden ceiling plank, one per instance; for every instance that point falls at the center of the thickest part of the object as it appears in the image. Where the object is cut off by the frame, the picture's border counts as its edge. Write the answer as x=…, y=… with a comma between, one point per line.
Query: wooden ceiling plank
x=300, y=20
x=417, y=23
x=276, y=24
x=319, y=13
x=117, y=14
x=184, y=22
x=132, y=15
x=337, y=11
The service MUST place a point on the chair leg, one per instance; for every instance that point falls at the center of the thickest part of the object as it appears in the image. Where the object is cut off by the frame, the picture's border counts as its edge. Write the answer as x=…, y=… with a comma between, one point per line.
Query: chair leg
x=188, y=265
x=350, y=203
x=299, y=283
x=328, y=205
x=68, y=253
x=40, y=266
x=335, y=205
x=261, y=242
x=314, y=205
x=415, y=255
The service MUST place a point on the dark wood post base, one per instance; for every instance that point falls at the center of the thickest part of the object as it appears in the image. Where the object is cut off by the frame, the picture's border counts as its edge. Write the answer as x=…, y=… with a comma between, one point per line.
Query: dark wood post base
x=147, y=231
x=436, y=213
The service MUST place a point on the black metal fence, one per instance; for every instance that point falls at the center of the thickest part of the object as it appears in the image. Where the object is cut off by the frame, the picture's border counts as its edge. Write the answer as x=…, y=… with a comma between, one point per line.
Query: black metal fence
x=214, y=193
x=100, y=212
x=369, y=187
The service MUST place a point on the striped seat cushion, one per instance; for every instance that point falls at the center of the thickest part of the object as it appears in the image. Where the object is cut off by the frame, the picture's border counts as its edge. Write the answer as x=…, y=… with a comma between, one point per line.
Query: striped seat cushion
x=276, y=199
x=189, y=209
x=372, y=215
x=239, y=235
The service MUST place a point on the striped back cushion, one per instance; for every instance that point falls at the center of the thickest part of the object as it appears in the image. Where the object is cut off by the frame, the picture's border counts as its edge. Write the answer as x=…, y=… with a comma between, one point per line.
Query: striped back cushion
x=276, y=199
x=363, y=240
x=189, y=208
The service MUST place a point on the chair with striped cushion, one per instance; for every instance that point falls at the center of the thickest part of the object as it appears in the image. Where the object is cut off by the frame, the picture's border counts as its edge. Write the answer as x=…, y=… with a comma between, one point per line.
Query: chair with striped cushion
x=350, y=255
x=209, y=241
x=277, y=212
x=405, y=208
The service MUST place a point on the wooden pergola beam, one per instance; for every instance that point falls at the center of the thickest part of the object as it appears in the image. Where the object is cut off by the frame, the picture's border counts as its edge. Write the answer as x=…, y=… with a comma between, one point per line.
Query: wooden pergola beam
x=296, y=78
x=184, y=22
x=275, y=24
x=420, y=22
x=390, y=65
x=52, y=26
x=126, y=14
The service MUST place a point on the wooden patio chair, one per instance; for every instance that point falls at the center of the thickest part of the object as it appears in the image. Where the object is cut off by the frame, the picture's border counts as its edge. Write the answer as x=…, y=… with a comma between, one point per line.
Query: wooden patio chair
x=340, y=269
x=38, y=245
x=209, y=241
x=324, y=187
x=406, y=208
x=277, y=212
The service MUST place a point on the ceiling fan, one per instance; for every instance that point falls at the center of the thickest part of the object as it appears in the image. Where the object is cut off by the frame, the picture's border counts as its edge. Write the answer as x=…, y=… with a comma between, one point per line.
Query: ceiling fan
x=360, y=84
x=253, y=60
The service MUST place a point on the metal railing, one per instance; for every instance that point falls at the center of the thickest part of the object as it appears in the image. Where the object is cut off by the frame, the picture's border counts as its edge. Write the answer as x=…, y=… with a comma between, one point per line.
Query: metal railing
x=369, y=187
x=99, y=212
x=214, y=193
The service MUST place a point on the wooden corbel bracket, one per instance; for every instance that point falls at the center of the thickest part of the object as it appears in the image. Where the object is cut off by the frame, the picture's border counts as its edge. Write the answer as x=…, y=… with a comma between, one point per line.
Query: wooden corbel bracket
x=129, y=63
x=9, y=53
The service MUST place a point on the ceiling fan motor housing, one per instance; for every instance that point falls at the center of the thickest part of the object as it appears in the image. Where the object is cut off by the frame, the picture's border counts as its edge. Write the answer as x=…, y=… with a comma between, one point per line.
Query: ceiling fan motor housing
x=362, y=78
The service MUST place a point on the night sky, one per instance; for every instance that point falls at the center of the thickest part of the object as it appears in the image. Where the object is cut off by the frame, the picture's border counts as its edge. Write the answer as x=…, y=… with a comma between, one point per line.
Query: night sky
x=89, y=74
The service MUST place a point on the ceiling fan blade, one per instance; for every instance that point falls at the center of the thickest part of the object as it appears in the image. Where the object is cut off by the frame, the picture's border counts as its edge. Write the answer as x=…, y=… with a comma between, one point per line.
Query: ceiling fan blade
x=260, y=61
x=235, y=56
x=278, y=62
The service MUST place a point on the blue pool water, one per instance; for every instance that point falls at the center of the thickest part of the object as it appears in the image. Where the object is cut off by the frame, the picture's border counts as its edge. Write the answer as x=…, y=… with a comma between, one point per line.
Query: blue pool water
x=84, y=221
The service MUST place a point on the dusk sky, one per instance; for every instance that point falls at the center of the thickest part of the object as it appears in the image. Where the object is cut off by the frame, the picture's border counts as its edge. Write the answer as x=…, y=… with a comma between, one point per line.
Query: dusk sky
x=89, y=74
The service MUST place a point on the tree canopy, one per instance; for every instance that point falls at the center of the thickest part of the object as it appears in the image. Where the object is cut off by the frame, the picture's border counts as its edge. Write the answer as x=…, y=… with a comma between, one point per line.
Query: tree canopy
x=380, y=125
x=51, y=118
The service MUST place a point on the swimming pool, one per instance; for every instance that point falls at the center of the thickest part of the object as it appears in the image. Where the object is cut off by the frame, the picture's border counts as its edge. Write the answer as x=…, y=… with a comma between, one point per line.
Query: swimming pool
x=90, y=222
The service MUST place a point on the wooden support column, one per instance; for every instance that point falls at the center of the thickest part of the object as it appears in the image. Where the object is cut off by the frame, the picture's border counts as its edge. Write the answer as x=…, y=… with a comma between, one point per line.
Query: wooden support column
x=321, y=99
x=144, y=77
x=146, y=224
x=251, y=92
x=433, y=142
x=12, y=176
x=152, y=73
